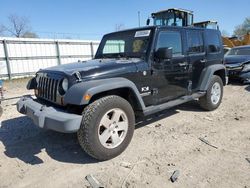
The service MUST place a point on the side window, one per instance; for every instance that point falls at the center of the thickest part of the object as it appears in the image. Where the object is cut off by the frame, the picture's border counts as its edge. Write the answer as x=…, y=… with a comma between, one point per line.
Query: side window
x=213, y=41
x=170, y=39
x=195, y=42
x=114, y=46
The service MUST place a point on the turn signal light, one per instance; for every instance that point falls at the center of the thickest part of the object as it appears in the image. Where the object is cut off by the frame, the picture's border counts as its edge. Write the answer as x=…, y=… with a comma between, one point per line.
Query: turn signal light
x=87, y=97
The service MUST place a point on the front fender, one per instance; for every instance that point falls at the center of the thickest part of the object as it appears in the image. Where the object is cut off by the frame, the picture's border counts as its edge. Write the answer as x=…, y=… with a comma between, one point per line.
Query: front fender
x=75, y=94
x=207, y=74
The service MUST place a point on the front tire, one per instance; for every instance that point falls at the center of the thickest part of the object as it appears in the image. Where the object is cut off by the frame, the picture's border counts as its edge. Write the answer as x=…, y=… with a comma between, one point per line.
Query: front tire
x=107, y=127
x=214, y=94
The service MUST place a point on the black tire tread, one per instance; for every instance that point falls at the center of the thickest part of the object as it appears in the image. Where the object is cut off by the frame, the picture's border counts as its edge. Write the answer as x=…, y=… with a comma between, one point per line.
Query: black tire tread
x=205, y=101
x=88, y=114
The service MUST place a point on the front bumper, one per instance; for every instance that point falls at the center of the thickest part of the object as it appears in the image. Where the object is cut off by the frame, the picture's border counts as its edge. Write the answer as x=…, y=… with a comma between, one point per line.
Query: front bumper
x=49, y=117
x=245, y=76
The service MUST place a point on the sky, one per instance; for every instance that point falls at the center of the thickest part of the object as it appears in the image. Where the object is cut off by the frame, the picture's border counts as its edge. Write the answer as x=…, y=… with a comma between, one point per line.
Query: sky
x=90, y=19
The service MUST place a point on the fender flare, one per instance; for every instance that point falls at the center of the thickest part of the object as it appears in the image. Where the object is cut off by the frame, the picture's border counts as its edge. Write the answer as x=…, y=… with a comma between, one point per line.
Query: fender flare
x=32, y=84
x=207, y=74
x=75, y=93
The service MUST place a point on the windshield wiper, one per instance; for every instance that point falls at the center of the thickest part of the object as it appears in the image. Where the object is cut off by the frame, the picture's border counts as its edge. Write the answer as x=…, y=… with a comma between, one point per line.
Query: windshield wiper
x=123, y=55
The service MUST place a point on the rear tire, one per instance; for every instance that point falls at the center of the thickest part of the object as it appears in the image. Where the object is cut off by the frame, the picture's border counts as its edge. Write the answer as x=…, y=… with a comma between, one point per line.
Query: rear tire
x=107, y=127
x=214, y=94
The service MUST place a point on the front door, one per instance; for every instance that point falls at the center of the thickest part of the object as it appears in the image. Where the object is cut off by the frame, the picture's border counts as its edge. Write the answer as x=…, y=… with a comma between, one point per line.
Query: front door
x=171, y=76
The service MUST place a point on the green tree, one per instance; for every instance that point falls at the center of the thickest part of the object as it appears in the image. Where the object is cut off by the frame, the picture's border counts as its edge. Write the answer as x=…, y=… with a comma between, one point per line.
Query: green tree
x=243, y=29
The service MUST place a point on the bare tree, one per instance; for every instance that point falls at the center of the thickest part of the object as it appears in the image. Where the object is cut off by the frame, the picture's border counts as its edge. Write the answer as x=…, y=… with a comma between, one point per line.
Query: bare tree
x=30, y=34
x=18, y=25
x=243, y=29
x=2, y=30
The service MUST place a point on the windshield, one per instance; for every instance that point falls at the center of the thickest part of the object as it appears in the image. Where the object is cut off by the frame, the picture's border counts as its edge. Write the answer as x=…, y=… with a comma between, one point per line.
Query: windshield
x=128, y=44
x=239, y=51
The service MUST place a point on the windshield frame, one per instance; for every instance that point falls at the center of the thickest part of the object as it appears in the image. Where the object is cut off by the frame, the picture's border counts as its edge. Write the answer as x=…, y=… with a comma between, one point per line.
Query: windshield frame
x=100, y=55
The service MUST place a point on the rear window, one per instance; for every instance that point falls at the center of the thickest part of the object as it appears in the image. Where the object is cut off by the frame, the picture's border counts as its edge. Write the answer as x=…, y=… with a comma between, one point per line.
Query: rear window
x=213, y=41
x=195, y=42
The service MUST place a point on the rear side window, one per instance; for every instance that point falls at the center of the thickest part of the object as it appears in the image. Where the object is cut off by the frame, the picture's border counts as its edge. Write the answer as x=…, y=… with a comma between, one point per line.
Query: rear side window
x=170, y=39
x=213, y=41
x=195, y=42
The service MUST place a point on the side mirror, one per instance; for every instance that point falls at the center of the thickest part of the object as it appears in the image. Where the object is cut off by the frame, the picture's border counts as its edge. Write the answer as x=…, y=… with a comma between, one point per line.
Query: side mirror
x=148, y=21
x=164, y=53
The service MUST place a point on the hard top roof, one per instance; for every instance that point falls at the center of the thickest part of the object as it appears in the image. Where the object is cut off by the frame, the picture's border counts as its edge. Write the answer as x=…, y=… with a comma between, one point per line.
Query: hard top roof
x=163, y=27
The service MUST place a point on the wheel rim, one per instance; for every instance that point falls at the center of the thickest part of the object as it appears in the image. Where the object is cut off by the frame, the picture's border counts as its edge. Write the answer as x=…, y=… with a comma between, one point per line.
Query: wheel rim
x=215, y=93
x=113, y=128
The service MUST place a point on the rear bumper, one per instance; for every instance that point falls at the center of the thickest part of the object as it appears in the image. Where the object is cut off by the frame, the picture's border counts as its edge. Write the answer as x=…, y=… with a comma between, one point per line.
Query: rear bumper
x=49, y=117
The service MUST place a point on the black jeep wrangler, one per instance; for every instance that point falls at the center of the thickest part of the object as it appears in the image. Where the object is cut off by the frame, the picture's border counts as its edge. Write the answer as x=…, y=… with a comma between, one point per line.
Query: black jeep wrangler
x=135, y=73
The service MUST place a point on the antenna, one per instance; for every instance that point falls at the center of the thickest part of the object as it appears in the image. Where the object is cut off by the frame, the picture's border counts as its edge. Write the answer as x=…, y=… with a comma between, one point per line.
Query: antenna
x=139, y=18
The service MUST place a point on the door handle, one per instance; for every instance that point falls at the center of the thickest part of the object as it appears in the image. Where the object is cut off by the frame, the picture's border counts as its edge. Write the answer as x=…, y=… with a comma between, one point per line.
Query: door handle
x=203, y=61
x=183, y=64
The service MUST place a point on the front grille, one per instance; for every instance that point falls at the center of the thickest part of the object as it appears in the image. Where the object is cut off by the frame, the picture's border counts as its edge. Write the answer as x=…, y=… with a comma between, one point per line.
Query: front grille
x=47, y=88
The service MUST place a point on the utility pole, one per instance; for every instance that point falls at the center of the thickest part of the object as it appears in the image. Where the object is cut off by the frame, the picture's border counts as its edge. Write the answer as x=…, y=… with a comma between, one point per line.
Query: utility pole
x=139, y=18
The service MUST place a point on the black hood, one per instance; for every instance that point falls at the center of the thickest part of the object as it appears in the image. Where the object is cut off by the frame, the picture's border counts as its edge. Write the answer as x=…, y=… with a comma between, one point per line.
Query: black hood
x=95, y=68
x=237, y=59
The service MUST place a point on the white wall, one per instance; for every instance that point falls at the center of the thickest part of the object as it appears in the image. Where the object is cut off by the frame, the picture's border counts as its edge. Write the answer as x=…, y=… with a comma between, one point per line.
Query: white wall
x=30, y=55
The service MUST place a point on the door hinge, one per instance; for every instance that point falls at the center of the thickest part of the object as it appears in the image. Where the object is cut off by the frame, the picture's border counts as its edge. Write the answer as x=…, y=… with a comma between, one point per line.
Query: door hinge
x=190, y=86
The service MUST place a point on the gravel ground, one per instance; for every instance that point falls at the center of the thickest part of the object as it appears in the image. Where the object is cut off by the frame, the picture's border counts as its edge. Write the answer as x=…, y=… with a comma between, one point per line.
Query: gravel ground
x=162, y=143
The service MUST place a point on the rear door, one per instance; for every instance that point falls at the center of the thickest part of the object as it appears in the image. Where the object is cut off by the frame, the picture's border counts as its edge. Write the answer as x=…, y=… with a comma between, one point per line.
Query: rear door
x=213, y=41
x=196, y=54
x=171, y=76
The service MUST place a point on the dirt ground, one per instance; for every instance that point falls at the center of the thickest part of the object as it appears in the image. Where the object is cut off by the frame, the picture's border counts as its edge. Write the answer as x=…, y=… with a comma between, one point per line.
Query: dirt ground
x=168, y=141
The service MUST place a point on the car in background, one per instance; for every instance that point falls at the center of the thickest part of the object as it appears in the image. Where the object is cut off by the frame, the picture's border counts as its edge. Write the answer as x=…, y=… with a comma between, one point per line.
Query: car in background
x=237, y=62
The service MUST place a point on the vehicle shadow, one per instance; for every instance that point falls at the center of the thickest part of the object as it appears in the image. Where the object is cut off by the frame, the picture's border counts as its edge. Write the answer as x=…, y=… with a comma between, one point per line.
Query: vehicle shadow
x=23, y=140
x=144, y=121
x=235, y=82
x=247, y=88
x=190, y=106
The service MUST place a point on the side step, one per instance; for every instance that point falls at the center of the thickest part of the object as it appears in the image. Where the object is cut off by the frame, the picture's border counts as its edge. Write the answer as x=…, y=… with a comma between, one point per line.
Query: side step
x=153, y=109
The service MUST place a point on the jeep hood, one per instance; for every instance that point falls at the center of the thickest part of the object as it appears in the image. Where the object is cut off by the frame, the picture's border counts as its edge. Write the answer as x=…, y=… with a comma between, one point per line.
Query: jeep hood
x=94, y=67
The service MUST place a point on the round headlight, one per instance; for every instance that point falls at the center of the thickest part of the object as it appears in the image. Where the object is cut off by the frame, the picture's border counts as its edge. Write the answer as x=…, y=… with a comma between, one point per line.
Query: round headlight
x=65, y=84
